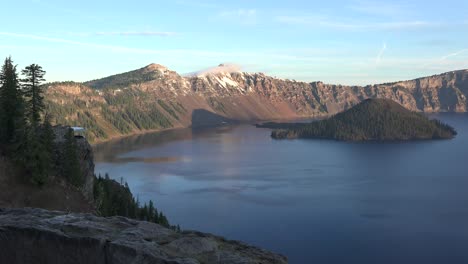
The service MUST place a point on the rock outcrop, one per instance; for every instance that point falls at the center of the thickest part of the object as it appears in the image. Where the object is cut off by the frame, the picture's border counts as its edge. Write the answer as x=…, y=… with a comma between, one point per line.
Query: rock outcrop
x=39, y=236
x=155, y=98
x=85, y=158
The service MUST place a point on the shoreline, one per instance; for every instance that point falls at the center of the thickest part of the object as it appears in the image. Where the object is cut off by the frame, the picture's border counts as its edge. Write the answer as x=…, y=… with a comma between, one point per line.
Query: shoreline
x=252, y=122
x=237, y=122
x=141, y=132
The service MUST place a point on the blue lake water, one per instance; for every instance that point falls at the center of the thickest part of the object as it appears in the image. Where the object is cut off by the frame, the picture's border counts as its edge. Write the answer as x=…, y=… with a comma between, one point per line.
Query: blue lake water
x=315, y=201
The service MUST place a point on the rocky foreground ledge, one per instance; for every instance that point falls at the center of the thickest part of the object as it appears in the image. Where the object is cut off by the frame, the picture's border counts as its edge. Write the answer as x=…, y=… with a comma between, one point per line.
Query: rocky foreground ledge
x=39, y=236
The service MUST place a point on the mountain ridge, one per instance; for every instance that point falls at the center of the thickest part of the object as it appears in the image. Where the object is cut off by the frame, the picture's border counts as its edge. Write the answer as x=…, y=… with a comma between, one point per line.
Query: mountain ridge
x=153, y=98
x=229, y=68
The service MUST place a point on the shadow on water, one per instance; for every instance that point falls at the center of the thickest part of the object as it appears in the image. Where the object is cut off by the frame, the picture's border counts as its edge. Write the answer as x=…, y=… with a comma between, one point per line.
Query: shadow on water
x=202, y=118
x=111, y=150
x=316, y=201
x=203, y=122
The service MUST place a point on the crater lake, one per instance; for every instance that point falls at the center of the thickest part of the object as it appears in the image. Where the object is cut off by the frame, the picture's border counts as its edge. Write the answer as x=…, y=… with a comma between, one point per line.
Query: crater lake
x=315, y=201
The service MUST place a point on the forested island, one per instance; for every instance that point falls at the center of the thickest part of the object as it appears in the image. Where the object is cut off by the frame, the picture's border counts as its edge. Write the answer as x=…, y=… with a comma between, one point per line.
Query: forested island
x=370, y=120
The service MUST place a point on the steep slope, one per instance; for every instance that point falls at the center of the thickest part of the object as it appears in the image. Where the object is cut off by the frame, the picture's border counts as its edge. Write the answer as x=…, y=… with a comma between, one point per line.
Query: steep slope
x=372, y=119
x=155, y=98
x=16, y=189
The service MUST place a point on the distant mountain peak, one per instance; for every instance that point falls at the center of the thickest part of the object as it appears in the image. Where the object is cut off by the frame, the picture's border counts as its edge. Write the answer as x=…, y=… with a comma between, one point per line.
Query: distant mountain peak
x=148, y=73
x=221, y=69
x=155, y=67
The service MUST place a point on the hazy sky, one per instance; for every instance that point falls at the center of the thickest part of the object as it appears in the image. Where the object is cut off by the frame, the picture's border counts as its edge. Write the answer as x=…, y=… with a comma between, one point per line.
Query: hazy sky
x=348, y=42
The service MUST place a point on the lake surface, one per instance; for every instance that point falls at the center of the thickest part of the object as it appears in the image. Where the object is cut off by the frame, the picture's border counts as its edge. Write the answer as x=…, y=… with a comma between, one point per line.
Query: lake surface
x=315, y=201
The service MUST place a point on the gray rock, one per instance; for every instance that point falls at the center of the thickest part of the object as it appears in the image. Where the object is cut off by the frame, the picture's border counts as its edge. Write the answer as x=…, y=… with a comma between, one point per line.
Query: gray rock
x=40, y=236
x=85, y=158
x=191, y=245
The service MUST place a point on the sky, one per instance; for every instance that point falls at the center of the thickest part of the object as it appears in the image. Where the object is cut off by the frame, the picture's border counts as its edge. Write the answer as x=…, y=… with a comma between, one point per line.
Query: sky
x=342, y=42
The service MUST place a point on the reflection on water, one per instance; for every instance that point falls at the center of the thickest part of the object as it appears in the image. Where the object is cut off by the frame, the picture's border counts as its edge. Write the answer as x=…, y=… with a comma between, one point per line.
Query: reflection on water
x=145, y=160
x=312, y=200
x=109, y=151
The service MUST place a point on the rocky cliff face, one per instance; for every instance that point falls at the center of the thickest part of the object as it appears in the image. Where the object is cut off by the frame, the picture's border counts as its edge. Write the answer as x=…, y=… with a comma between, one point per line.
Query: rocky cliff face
x=38, y=236
x=85, y=158
x=161, y=98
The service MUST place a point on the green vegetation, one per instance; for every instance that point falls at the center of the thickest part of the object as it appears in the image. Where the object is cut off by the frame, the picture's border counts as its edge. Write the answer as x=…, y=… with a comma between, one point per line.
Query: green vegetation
x=71, y=166
x=122, y=112
x=168, y=109
x=60, y=113
x=178, y=107
x=371, y=120
x=124, y=97
x=93, y=130
x=32, y=144
x=150, y=119
x=33, y=94
x=22, y=135
x=33, y=156
x=28, y=138
x=122, y=80
x=116, y=119
x=47, y=85
x=11, y=103
x=113, y=198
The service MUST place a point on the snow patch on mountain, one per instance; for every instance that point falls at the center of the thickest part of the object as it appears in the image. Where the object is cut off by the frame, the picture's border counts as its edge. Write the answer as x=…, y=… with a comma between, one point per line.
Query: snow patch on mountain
x=222, y=69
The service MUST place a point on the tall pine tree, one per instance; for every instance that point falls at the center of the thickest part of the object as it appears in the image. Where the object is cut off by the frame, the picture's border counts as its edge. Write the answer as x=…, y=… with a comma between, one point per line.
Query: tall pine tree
x=34, y=76
x=48, y=137
x=11, y=103
x=35, y=157
x=71, y=164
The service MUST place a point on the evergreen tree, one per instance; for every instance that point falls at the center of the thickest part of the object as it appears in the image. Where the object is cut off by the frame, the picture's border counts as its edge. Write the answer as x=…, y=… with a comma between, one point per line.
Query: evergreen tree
x=151, y=217
x=36, y=159
x=34, y=75
x=10, y=102
x=28, y=151
x=163, y=220
x=48, y=137
x=114, y=198
x=71, y=165
x=145, y=212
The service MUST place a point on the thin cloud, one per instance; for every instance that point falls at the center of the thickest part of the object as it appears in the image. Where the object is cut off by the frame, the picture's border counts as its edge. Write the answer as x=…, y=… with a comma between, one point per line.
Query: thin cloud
x=444, y=60
x=239, y=13
x=321, y=21
x=226, y=67
x=435, y=42
x=196, y=4
x=243, y=16
x=114, y=48
x=76, y=43
x=380, y=8
x=381, y=53
x=218, y=55
x=453, y=54
x=138, y=33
